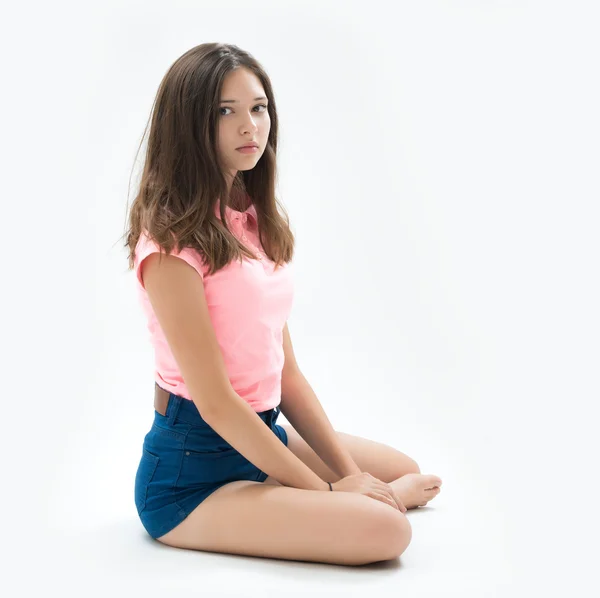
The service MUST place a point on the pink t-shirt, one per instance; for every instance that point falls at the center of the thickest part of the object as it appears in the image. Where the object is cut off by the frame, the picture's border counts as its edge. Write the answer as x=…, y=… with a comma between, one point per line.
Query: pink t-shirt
x=249, y=304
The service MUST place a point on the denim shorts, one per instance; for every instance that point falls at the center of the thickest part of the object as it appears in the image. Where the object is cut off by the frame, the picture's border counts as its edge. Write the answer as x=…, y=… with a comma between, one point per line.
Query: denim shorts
x=184, y=460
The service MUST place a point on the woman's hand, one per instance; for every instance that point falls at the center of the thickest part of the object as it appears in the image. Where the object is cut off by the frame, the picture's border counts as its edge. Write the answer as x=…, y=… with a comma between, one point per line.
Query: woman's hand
x=365, y=483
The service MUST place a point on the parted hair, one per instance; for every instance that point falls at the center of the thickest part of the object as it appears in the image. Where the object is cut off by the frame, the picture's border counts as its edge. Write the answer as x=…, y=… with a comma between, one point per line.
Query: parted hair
x=182, y=179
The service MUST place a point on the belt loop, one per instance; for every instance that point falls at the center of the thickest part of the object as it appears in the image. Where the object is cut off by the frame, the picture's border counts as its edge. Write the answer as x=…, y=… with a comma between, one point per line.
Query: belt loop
x=173, y=404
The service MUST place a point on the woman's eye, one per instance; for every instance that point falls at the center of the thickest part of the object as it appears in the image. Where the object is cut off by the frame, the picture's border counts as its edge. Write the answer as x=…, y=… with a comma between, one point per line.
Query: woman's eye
x=227, y=108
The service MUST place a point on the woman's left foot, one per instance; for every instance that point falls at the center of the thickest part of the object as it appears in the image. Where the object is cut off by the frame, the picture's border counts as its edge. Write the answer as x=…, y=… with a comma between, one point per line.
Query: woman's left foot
x=417, y=489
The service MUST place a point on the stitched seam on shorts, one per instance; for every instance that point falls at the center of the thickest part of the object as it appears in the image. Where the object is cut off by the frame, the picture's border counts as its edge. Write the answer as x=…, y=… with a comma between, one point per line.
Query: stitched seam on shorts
x=167, y=527
x=171, y=433
x=179, y=472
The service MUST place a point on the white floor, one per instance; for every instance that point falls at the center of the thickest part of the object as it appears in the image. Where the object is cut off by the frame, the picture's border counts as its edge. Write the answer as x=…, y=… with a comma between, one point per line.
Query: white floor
x=505, y=534
x=462, y=546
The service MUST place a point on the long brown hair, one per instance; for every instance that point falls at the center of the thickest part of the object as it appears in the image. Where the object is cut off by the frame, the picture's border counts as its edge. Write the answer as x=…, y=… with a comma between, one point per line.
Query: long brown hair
x=182, y=181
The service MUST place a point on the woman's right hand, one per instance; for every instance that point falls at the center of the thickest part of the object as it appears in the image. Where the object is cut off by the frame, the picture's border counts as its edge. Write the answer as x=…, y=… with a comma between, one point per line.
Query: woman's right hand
x=365, y=483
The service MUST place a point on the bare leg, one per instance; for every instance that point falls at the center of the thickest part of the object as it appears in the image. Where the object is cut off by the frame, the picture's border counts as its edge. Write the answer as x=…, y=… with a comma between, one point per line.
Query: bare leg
x=275, y=521
x=380, y=460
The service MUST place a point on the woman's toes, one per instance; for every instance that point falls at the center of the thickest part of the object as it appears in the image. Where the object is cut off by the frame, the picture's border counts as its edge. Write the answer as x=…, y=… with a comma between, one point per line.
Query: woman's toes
x=430, y=481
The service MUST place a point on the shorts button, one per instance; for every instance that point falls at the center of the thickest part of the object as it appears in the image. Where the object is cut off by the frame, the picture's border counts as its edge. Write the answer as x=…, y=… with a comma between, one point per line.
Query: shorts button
x=187, y=452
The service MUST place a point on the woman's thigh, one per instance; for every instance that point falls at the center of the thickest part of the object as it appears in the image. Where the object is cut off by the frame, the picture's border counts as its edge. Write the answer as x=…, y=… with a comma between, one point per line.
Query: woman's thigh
x=380, y=460
x=257, y=519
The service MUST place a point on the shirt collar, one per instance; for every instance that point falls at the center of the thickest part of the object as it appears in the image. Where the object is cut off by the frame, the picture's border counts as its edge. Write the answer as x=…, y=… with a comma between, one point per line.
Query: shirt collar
x=233, y=215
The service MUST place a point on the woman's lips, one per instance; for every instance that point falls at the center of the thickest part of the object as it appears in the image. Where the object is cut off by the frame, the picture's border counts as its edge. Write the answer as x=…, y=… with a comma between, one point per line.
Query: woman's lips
x=247, y=150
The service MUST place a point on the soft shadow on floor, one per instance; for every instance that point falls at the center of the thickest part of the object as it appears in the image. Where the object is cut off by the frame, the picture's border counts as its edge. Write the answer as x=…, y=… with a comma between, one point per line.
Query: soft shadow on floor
x=124, y=550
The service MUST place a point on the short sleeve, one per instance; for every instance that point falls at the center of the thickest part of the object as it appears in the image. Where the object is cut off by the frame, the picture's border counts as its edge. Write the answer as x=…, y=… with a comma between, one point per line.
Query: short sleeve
x=146, y=246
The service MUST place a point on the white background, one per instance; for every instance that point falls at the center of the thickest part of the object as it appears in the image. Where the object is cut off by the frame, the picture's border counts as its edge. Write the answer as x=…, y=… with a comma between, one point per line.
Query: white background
x=439, y=163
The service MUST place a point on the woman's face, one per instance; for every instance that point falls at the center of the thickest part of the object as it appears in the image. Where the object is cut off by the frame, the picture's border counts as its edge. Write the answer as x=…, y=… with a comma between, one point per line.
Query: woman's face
x=243, y=119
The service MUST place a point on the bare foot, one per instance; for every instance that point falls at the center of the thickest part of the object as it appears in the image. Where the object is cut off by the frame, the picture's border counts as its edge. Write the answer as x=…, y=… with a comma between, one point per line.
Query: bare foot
x=417, y=489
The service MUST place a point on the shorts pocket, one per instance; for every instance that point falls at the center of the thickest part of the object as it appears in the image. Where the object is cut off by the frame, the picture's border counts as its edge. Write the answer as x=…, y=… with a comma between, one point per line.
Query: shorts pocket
x=200, y=469
x=143, y=477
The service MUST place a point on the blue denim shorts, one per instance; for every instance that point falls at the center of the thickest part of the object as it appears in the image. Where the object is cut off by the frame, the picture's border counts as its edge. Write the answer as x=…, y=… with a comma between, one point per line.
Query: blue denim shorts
x=183, y=461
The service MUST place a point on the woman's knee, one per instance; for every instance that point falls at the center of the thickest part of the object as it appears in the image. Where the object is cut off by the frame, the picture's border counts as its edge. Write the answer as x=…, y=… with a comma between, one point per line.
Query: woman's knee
x=396, y=530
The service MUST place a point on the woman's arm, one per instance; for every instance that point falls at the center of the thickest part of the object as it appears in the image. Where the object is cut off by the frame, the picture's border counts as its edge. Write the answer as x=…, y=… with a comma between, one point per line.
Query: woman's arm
x=302, y=408
x=176, y=293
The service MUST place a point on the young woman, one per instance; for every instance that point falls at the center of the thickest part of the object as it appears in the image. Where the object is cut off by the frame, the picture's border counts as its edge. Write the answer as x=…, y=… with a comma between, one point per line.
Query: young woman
x=212, y=255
